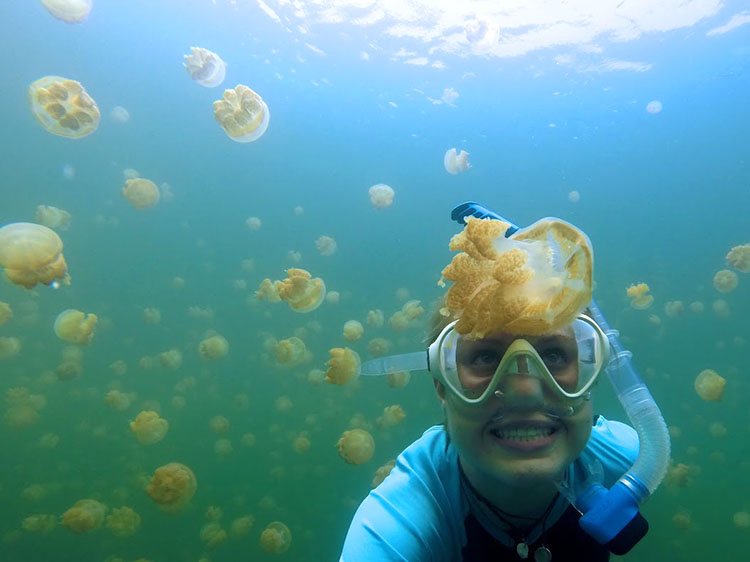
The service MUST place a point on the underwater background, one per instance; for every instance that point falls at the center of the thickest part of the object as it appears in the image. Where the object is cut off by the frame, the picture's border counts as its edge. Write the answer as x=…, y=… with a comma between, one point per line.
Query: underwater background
x=550, y=101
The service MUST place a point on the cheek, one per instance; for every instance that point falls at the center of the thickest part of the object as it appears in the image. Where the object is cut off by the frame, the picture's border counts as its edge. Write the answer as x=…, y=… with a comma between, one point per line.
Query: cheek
x=579, y=429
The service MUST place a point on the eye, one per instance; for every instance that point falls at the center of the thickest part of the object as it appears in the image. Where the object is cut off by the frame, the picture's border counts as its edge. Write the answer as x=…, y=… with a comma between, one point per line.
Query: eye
x=484, y=360
x=555, y=358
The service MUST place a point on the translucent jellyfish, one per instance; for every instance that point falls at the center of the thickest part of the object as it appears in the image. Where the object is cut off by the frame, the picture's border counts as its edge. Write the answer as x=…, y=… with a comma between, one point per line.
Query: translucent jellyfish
x=343, y=366
x=539, y=278
x=214, y=347
x=739, y=258
x=276, y=538
x=248, y=439
x=697, y=307
x=242, y=114
x=151, y=315
x=253, y=223
x=31, y=254
x=299, y=210
x=69, y=11
x=63, y=107
x=456, y=162
x=172, y=486
x=375, y=318
x=402, y=294
x=149, y=428
x=741, y=520
x=398, y=379
x=392, y=415
x=123, y=521
x=326, y=245
x=301, y=443
x=291, y=351
x=178, y=282
x=205, y=67
x=52, y=217
x=303, y=293
x=377, y=347
x=398, y=321
x=212, y=535
x=574, y=196
x=68, y=172
x=119, y=114
x=356, y=446
x=316, y=376
x=141, y=193
x=381, y=195
x=6, y=313
x=283, y=403
x=709, y=385
x=654, y=107
x=353, y=330
x=294, y=256
x=219, y=425
x=10, y=346
x=333, y=297
x=39, y=523
x=720, y=308
x=682, y=520
x=75, y=326
x=241, y=526
x=171, y=359
x=84, y=516
x=725, y=281
x=718, y=430
x=674, y=309
x=382, y=472
x=118, y=400
x=639, y=297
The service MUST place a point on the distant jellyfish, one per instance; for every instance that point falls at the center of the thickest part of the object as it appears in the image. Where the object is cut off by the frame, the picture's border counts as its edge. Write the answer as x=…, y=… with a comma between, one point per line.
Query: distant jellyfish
x=52, y=217
x=720, y=308
x=456, y=162
x=725, y=281
x=654, y=107
x=69, y=11
x=141, y=193
x=709, y=385
x=356, y=446
x=6, y=313
x=63, y=107
x=205, y=67
x=276, y=538
x=392, y=415
x=214, y=347
x=172, y=486
x=333, y=297
x=375, y=318
x=68, y=171
x=381, y=195
x=398, y=379
x=253, y=223
x=639, y=297
x=84, y=516
x=739, y=258
x=75, y=326
x=242, y=114
x=353, y=330
x=326, y=245
x=574, y=196
x=291, y=351
x=741, y=520
x=123, y=521
x=382, y=472
x=119, y=114
x=299, y=210
x=149, y=428
x=31, y=254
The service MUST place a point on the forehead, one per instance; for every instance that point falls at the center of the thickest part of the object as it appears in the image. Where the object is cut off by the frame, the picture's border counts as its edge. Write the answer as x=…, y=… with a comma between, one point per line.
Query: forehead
x=564, y=333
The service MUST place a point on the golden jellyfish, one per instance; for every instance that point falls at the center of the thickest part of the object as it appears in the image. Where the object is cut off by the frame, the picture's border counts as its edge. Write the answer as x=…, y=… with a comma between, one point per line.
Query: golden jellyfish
x=720, y=308
x=242, y=114
x=399, y=321
x=219, y=425
x=316, y=376
x=709, y=385
x=248, y=439
x=69, y=11
x=283, y=403
x=382, y=472
x=149, y=428
x=697, y=307
x=10, y=346
x=85, y=515
x=276, y=538
x=301, y=291
x=214, y=347
x=356, y=446
x=326, y=246
x=253, y=223
x=301, y=443
x=63, y=107
x=412, y=310
x=682, y=520
x=31, y=254
x=123, y=521
x=151, y=315
x=268, y=291
x=291, y=351
x=725, y=281
x=212, y=535
x=52, y=217
x=456, y=162
x=398, y=379
x=171, y=359
x=639, y=297
x=375, y=318
x=718, y=430
x=141, y=193
x=6, y=313
x=674, y=309
x=392, y=415
x=39, y=523
x=377, y=347
x=739, y=258
x=353, y=330
x=172, y=486
x=536, y=280
x=118, y=400
x=223, y=447
x=205, y=67
x=381, y=195
x=75, y=326
x=343, y=366
x=333, y=297
x=241, y=526
x=741, y=520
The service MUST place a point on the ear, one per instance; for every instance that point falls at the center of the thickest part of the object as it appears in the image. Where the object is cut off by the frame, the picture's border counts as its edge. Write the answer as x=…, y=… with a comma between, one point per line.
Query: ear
x=440, y=389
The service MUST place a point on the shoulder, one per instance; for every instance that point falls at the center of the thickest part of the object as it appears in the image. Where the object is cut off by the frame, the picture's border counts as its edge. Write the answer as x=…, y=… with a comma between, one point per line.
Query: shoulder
x=615, y=445
x=416, y=513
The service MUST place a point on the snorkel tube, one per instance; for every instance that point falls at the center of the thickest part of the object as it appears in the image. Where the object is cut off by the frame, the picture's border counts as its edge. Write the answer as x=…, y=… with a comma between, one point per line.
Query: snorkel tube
x=611, y=516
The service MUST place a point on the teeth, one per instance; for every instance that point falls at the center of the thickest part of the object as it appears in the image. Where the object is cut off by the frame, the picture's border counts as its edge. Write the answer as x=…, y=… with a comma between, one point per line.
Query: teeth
x=524, y=434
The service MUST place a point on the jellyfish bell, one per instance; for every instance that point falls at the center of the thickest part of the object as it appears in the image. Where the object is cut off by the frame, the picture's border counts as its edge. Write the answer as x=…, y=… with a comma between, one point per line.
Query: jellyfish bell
x=205, y=67
x=242, y=114
x=32, y=253
x=63, y=107
x=69, y=11
x=119, y=114
x=653, y=107
x=456, y=162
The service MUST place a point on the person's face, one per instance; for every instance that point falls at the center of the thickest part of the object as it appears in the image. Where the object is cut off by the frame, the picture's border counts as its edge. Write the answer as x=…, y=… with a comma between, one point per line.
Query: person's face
x=517, y=437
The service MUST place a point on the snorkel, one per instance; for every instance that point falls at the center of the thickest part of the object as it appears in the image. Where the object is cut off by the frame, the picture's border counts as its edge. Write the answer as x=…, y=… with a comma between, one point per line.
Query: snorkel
x=611, y=516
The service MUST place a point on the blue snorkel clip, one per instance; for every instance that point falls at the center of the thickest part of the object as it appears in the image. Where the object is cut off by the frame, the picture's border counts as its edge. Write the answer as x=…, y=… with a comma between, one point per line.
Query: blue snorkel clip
x=612, y=516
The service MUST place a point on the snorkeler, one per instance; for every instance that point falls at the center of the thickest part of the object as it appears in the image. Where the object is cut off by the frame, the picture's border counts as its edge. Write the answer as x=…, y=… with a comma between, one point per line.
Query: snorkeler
x=521, y=468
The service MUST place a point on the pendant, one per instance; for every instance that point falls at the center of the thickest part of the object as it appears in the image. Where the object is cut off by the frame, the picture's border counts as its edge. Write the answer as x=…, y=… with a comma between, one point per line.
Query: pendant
x=542, y=554
x=522, y=549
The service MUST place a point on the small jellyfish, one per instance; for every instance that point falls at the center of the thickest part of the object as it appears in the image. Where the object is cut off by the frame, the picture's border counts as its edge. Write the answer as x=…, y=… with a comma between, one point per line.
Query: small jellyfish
x=172, y=486
x=31, y=254
x=291, y=351
x=356, y=446
x=242, y=114
x=301, y=443
x=725, y=281
x=253, y=223
x=343, y=366
x=219, y=425
x=398, y=321
x=392, y=415
x=653, y=107
x=456, y=162
x=398, y=379
x=118, y=400
x=709, y=385
x=303, y=293
x=741, y=520
x=316, y=376
x=333, y=297
x=141, y=193
x=382, y=472
x=639, y=297
x=674, y=309
x=205, y=67
x=52, y=217
x=5, y=313
x=149, y=428
x=739, y=258
x=123, y=521
x=223, y=447
x=276, y=538
x=574, y=196
x=353, y=330
x=171, y=359
x=75, y=326
x=119, y=114
x=63, y=107
x=84, y=516
x=375, y=318
x=377, y=347
x=69, y=11
x=241, y=526
x=212, y=535
x=682, y=520
x=326, y=245
x=39, y=523
x=381, y=195
x=720, y=308
x=214, y=347
x=151, y=315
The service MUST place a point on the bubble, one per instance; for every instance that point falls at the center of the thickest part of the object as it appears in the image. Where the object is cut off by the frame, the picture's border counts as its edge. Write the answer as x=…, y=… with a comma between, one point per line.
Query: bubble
x=69, y=11
x=149, y=428
x=356, y=446
x=654, y=107
x=75, y=326
x=455, y=162
x=381, y=195
x=242, y=114
x=574, y=196
x=725, y=281
x=63, y=107
x=141, y=193
x=31, y=254
x=205, y=67
x=172, y=486
x=709, y=385
x=119, y=114
x=276, y=538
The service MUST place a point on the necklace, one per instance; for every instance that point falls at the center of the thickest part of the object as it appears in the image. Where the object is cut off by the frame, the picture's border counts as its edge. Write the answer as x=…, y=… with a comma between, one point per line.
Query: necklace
x=541, y=554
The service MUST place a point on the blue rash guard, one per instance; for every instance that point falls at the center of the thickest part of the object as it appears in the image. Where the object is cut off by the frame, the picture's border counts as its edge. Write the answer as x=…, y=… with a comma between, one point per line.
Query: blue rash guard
x=422, y=512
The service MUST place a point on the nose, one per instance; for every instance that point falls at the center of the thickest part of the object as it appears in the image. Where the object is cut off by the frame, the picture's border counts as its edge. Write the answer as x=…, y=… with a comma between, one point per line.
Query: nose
x=521, y=384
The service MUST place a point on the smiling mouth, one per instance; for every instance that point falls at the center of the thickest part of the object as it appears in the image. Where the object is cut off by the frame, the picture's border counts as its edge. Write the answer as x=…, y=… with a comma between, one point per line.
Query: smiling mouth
x=523, y=433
